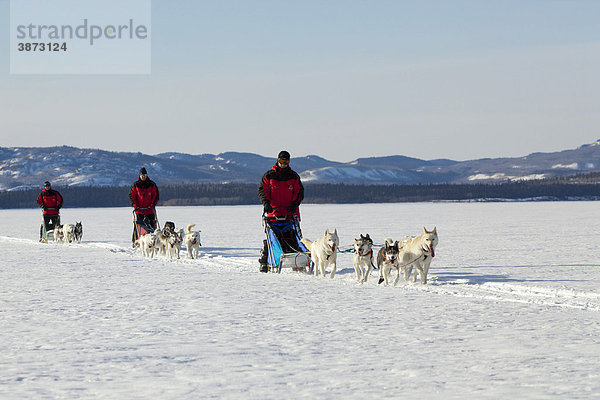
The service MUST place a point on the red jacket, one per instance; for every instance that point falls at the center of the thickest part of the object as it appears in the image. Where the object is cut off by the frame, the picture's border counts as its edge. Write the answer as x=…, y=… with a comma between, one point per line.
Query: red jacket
x=281, y=189
x=143, y=196
x=51, y=201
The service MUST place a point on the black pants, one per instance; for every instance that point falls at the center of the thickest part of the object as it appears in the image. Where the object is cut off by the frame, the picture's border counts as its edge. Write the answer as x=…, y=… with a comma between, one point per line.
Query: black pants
x=50, y=222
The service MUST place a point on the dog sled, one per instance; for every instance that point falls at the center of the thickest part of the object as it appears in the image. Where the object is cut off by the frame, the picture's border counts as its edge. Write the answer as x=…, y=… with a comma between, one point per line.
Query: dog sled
x=47, y=230
x=142, y=226
x=285, y=250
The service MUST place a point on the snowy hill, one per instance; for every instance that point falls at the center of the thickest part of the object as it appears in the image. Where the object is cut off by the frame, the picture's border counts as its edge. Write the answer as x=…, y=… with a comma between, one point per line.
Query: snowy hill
x=27, y=167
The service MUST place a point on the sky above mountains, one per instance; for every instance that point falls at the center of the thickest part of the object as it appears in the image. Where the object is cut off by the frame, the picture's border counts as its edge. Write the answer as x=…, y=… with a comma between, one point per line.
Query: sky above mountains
x=342, y=79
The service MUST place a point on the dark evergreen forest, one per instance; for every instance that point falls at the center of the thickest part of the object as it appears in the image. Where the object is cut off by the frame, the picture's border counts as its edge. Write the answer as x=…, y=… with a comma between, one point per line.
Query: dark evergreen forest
x=577, y=187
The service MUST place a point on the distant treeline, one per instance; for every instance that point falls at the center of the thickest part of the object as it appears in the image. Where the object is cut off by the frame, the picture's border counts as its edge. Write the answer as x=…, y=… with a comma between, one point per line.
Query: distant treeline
x=237, y=194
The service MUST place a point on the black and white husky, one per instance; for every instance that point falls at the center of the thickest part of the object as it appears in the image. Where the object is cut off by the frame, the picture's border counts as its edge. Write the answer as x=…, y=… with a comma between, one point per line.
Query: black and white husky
x=78, y=232
x=387, y=258
x=363, y=257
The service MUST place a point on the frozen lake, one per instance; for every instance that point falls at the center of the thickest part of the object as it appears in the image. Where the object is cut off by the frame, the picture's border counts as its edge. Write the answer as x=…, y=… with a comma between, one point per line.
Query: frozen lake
x=512, y=308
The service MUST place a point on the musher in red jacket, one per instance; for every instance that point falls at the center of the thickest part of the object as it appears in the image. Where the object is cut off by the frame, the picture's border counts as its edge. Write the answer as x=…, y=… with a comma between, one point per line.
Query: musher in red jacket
x=280, y=192
x=143, y=197
x=50, y=201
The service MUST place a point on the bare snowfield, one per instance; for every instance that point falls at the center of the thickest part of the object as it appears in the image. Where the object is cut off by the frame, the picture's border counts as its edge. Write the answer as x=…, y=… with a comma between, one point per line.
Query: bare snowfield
x=512, y=309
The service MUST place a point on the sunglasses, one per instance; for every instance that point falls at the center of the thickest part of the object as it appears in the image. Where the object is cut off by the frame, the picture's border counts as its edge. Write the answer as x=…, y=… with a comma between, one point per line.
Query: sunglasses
x=285, y=162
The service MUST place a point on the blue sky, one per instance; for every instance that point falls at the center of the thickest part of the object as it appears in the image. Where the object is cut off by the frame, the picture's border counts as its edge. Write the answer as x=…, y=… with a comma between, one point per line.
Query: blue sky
x=341, y=79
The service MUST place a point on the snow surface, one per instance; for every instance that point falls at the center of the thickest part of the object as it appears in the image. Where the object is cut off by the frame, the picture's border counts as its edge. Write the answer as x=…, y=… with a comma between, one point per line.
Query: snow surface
x=512, y=309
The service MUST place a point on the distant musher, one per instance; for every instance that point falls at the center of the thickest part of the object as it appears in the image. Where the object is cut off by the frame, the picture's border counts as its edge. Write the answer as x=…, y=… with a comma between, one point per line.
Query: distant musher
x=50, y=201
x=143, y=197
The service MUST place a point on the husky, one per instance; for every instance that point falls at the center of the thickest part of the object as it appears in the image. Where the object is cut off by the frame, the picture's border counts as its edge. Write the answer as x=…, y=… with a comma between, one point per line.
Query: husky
x=170, y=226
x=68, y=231
x=162, y=239
x=59, y=235
x=418, y=252
x=363, y=257
x=78, y=232
x=148, y=243
x=323, y=251
x=387, y=258
x=192, y=241
x=174, y=244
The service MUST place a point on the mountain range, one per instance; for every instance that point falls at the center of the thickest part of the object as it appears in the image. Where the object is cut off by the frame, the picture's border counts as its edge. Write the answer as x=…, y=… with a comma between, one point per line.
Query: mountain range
x=29, y=167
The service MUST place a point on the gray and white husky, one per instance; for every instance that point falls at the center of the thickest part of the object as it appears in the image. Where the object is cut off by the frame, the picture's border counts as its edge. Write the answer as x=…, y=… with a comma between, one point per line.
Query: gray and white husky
x=323, y=251
x=387, y=258
x=418, y=251
x=363, y=257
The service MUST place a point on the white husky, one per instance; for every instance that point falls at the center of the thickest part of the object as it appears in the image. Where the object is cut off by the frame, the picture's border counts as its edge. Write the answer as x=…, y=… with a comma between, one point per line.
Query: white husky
x=363, y=257
x=68, y=233
x=323, y=251
x=192, y=241
x=148, y=243
x=418, y=251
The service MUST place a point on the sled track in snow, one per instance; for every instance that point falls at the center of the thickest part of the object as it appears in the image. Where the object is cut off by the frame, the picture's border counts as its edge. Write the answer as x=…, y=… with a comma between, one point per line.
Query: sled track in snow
x=490, y=291
x=515, y=293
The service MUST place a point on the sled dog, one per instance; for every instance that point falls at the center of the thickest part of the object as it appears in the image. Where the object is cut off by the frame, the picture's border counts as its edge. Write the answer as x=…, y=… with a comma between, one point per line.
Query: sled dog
x=363, y=257
x=192, y=241
x=162, y=237
x=78, y=232
x=323, y=251
x=59, y=235
x=387, y=258
x=174, y=244
x=148, y=243
x=165, y=236
x=418, y=252
x=68, y=233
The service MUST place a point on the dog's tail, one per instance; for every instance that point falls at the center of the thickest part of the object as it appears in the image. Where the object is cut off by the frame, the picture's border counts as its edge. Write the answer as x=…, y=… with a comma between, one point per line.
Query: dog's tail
x=188, y=229
x=389, y=241
x=306, y=242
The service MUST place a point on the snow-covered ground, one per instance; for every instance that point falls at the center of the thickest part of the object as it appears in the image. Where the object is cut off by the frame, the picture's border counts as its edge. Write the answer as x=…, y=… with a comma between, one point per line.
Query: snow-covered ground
x=512, y=309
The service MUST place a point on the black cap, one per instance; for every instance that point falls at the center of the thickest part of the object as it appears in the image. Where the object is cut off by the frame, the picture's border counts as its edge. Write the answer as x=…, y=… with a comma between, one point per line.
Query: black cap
x=143, y=171
x=46, y=183
x=283, y=155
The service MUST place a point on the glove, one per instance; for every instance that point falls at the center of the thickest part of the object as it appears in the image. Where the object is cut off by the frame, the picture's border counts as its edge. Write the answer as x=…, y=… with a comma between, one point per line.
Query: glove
x=292, y=208
x=44, y=208
x=268, y=208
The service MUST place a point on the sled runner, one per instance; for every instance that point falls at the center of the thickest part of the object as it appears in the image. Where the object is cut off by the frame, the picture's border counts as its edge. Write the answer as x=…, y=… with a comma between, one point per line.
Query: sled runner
x=285, y=250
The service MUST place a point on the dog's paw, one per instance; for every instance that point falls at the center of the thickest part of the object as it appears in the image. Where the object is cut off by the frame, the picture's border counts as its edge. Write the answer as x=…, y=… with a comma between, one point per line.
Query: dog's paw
x=380, y=280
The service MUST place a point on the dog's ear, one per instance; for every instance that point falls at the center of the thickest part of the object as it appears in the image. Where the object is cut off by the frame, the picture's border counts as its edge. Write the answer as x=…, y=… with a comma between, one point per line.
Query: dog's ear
x=335, y=231
x=434, y=230
x=425, y=230
x=326, y=231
